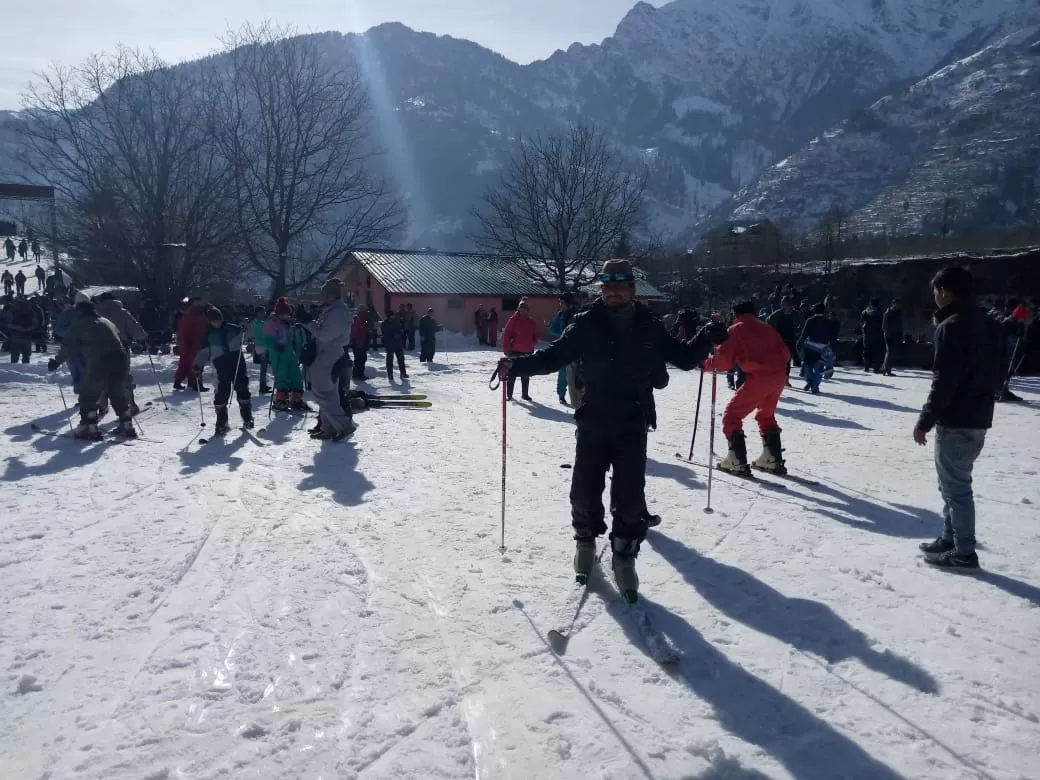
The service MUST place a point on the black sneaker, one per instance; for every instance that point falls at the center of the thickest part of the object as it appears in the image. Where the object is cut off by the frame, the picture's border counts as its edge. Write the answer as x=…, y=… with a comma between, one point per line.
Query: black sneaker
x=951, y=559
x=938, y=547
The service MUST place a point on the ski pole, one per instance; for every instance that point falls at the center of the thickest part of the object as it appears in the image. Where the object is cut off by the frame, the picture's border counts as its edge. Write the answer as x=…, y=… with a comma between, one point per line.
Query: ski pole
x=155, y=375
x=711, y=433
x=494, y=383
x=67, y=418
x=274, y=391
x=202, y=413
x=697, y=414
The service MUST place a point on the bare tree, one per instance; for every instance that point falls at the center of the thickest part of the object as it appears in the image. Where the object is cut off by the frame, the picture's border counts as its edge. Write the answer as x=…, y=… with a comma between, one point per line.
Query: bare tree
x=127, y=142
x=952, y=209
x=565, y=201
x=296, y=134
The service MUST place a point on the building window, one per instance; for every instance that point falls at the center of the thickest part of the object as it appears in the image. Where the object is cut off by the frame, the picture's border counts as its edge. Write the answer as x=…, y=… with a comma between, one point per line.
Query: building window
x=510, y=304
x=454, y=302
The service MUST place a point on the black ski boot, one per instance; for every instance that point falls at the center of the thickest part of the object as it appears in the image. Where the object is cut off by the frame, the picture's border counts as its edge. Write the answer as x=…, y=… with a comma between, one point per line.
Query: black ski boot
x=245, y=409
x=221, y=427
x=771, y=459
x=624, y=565
x=735, y=461
x=125, y=428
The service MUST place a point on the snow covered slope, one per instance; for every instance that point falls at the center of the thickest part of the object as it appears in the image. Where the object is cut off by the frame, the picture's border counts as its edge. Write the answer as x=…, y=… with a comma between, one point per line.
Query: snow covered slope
x=341, y=611
x=968, y=133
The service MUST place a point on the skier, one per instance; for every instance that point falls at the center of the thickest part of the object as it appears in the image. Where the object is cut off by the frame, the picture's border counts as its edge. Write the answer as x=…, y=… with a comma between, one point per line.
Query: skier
x=815, y=346
x=763, y=357
x=222, y=346
x=566, y=377
x=41, y=311
x=62, y=325
x=410, y=325
x=191, y=330
x=491, y=328
x=9, y=249
x=783, y=321
x=36, y=250
x=358, y=342
x=331, y=332
x=873, y=336
x=41, y=276
x=428, y=329
x=19, y=329
x=892, y=326
x=283, y=344
x=8, y=282
x=687, y=323
x=23, y=249
x=835, y=323
x=129, y=331
x=480, y=324
x=393, y=343
x=260, y=356
x=97, y=342
x=966, y=374
x=519, y=339
x=621, y=345
x=19, y=282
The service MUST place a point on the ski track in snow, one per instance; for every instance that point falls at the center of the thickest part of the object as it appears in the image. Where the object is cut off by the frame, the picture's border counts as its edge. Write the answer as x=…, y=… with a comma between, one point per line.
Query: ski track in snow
x=293, y=609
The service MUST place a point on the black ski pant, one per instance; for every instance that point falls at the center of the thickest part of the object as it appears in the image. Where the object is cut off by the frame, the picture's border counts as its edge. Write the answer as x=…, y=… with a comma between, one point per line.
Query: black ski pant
x=392, y=352
x=525, y=381
x=360, y=357
x=427, y=349
x=20, y=288
x=892, y=346
x=602, y=444
x=872, y=354
x=226, y=376
x=20, y=349
x=409, y=339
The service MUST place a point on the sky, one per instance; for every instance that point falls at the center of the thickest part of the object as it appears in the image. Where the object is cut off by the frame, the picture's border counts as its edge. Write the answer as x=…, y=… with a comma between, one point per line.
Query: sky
x=44, y=32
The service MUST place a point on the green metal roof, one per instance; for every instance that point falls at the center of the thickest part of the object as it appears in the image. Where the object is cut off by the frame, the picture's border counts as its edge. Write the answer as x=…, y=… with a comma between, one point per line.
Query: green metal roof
x=458, y=273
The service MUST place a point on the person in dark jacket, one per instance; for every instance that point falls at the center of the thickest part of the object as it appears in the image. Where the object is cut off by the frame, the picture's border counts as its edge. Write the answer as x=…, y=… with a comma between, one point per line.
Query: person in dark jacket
x=97, y=342
x=410, y=324
x=393, y=343
x=835, y=323
x=8, y=281
x=621, y=346
x=428, y=329
x=480, y=324
x=41, y=277
x=21, y=321
x=873, y=336
x=222, y=345
x=892, y=325
x=966, y=374
x=783, y=321
x=686, y=324
x=815, y=346
x=19, y=282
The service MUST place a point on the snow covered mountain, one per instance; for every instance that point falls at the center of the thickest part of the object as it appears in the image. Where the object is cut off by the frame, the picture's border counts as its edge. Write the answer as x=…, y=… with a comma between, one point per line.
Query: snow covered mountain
x=958, y=148
x=707, y=94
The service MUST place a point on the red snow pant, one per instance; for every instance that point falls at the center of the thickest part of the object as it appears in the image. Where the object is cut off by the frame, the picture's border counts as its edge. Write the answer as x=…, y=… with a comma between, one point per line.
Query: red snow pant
x=186, y=365
x=759, y=391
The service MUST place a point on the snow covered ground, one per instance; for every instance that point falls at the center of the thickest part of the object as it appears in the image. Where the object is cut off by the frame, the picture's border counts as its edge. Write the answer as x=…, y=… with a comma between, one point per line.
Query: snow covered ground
x=302, y=610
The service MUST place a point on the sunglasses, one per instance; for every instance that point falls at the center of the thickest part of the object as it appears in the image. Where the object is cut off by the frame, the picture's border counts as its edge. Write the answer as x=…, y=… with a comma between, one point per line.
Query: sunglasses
x=621, y=276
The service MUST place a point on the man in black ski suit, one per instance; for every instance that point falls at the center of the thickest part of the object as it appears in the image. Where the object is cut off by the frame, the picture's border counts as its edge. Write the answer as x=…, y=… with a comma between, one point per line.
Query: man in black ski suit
x=621, y=346
x=873, y=336
x=784, y=322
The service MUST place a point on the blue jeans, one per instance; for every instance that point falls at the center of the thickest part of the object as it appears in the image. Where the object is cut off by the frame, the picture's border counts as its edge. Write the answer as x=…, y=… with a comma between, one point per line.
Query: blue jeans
x=956, y=450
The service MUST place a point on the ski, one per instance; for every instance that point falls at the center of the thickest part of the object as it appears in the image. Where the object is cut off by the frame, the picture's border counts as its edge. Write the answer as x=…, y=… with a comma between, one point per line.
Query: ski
x=395, y=397
x=386, y=403
x=565, y=624
x=661, y=648
x=750, y=478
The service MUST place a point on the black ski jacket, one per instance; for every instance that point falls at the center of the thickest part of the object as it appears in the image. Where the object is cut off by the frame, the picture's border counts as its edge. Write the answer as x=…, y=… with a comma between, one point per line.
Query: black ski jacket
x=618, y=365
x=873, y=329
x=893, y=324
x=785, y=325
x=968, y=370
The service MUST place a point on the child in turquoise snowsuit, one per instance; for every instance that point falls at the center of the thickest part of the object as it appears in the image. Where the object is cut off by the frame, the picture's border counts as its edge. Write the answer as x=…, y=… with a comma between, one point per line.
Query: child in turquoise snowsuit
x=283, y=343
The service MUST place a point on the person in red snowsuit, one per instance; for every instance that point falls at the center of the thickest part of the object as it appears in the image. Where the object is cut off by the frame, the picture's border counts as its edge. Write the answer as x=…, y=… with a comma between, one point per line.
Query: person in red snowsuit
x=520, y=338
x=760, y=352
x=191, y=331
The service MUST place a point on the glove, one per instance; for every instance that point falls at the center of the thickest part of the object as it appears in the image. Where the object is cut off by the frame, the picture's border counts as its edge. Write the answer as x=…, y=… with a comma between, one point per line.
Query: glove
x=52, y=364
x=715, y=332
